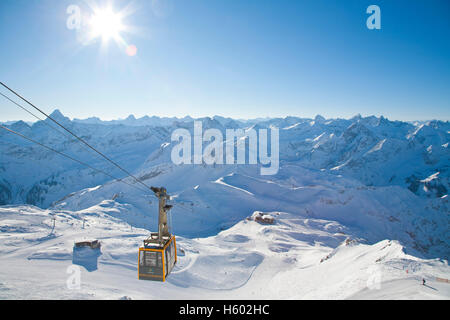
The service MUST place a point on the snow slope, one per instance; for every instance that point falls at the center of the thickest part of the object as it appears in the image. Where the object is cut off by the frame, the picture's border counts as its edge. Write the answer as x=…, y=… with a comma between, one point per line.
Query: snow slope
x=296, y=257
x=208, y=200
x=360, y=207
x=374, y=151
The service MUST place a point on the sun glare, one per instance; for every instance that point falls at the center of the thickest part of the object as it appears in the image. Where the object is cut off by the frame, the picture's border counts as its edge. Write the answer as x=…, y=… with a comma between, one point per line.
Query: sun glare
x=106, y=24
x=109, y=25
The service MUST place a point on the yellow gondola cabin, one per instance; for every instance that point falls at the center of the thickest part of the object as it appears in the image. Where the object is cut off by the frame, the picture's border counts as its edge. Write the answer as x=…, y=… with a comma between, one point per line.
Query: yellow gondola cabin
x=158, y=256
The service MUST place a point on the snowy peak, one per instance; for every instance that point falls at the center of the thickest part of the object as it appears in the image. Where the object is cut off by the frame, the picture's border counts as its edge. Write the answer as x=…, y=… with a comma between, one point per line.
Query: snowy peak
x=20, y=126
x=372, y=150
x=92, y=120
x=58, y=116
x=319, y=119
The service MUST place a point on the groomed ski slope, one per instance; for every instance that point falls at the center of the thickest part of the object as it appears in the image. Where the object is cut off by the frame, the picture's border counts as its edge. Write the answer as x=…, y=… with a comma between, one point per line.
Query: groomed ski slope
x=295, y=258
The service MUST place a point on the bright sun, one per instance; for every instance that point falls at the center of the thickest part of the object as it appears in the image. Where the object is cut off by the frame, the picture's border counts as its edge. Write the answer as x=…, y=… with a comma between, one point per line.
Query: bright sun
x=107, y=24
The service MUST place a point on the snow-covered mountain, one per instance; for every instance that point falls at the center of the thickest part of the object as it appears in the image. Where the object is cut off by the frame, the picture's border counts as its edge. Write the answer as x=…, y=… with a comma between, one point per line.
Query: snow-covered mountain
x=366, y=181
x=32, y=174
x=374, y=151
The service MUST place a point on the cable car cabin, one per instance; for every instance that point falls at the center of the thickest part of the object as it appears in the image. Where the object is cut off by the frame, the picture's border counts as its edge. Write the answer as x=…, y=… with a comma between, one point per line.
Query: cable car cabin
x=156, y=259
x=158, y=256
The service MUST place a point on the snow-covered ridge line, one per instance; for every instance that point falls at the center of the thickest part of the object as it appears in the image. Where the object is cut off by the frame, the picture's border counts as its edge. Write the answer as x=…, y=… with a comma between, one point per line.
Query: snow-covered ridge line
x=372, y=150
x=164, y=121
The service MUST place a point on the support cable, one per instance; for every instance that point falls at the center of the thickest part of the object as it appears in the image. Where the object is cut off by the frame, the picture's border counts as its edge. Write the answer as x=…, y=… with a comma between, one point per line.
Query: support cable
x=78, y=138
x=69, y=157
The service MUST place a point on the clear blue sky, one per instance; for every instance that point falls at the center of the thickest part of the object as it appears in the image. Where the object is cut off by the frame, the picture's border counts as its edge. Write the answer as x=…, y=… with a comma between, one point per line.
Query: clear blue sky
x=237, y=58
